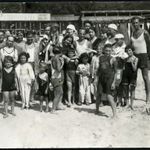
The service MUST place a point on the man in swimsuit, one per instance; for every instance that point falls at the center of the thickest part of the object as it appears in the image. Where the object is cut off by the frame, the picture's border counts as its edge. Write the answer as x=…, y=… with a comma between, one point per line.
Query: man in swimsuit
x=140, y=41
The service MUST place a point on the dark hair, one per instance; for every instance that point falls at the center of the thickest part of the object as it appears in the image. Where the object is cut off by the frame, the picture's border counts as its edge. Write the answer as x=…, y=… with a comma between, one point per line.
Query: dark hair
x=29, y=33
x=87, y=21
x=107, y=45
x=129, y=47
x=81, y=29
x=82, y=56
x=23, y=54
x=68, y=36
x=57, y=50
x=136, y=17
x=8, y=58
x=92, y=28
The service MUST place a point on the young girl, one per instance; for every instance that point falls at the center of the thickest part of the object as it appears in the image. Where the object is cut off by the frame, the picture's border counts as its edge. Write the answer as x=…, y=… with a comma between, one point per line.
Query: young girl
x=129, y=77
x=8, y=85
x=71, y=66
x=25, y=78
x=83, y=70
x=42, y=82
x=107, y=78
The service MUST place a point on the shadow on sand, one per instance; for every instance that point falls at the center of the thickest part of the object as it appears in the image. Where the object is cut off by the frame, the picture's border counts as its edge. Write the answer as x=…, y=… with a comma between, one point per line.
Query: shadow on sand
x=89, y=110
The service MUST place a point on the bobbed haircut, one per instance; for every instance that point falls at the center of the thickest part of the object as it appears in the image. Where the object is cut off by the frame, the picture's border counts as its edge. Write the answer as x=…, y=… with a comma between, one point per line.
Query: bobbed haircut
x=23, y=54
x=8, y=59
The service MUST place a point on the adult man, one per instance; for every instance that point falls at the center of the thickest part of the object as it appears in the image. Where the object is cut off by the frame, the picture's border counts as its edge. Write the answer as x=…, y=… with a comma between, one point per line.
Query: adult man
x=2, y=42
x=140, y=41
x=20, y=43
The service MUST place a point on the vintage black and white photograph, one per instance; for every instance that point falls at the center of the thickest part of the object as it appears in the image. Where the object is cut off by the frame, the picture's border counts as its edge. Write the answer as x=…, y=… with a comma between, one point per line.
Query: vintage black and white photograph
x=75, y=74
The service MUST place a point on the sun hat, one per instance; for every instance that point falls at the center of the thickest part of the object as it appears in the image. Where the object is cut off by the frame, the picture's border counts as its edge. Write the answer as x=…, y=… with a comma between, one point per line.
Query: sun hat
x=112, y=26
x=71, y=26
x=119, y=36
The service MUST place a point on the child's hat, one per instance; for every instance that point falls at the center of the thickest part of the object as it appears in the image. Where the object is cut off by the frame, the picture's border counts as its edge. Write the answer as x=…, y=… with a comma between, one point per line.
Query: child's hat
x=119, y=36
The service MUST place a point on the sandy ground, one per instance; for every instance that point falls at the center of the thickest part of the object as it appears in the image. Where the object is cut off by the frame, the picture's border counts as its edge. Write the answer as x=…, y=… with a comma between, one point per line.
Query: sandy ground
x=77, y=127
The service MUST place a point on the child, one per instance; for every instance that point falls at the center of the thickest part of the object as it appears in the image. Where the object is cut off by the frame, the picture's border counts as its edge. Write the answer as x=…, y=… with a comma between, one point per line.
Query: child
x=71, y=66
x=129, y=77
x=57, y=78
x=8, y=85
x=42, y=82
x=120, y=55
x=83, y=70
x=107, y=78
x=94, y=68
x=25, y=78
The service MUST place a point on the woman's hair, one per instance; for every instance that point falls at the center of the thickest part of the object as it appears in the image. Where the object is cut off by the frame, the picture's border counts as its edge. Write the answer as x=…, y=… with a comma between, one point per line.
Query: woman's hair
x=8, y=59
x=128, y=47
x=107, y=46
x=23, y=54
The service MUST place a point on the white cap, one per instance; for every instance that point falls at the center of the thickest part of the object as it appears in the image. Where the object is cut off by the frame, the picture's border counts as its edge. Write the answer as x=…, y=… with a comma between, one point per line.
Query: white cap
x=112, y=26
x=45, y=36
x=119, y=36
x=71, y=26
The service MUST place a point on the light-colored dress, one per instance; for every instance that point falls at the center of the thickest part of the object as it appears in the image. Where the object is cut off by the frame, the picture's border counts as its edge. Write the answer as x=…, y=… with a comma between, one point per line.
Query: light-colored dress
x=25, y=76
x=84, y=82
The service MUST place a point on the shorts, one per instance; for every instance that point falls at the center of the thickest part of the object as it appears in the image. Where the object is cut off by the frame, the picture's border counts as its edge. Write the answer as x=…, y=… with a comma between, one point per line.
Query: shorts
x=142, y=60
x=129, y=79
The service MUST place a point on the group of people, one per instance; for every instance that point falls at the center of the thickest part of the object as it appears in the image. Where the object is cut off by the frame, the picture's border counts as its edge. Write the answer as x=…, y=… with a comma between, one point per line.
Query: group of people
x=73, y=67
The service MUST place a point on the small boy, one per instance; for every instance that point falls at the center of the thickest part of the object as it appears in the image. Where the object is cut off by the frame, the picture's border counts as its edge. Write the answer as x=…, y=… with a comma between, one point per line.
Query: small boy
x=57, y=78
x=107, y=78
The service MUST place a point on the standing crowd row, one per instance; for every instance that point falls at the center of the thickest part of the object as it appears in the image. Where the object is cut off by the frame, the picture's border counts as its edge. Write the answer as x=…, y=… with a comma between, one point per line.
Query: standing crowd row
x=73, y=67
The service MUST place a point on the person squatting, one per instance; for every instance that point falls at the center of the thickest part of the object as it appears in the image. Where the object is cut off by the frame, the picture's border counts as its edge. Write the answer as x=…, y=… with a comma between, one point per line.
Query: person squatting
x=73, y=67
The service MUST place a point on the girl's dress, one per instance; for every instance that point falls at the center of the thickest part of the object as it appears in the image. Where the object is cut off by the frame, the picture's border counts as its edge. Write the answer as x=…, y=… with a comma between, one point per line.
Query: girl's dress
x=8, y=80
x=42, y=80
x=25, y=76
x=84, y=83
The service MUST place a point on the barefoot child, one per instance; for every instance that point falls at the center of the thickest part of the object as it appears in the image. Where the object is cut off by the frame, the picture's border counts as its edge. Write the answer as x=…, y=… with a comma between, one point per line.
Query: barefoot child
x=42, y=82
x=94, y=68
x=83, y=70
x=129, y=77
x=107, y=78
x=57, y=78
x=8, y=85
x=25, y=78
